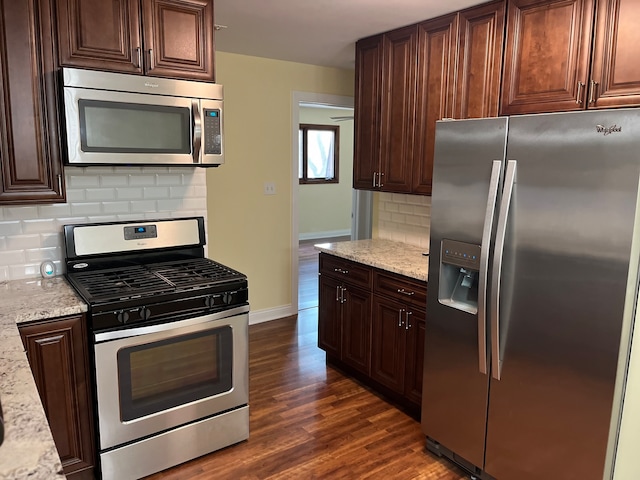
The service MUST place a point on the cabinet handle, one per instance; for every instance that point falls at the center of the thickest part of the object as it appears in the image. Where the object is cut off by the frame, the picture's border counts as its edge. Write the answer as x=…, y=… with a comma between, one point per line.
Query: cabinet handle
x=339, y=270
x=404, y=292
x=407, y=324
x=151, y=59
x=579, y=94
x=400, y=317
x=374, y=179
x=342, y=297
x=138, y=54
x=338, y=293
x=60, y=183
x=380, y=175
x=592, y=96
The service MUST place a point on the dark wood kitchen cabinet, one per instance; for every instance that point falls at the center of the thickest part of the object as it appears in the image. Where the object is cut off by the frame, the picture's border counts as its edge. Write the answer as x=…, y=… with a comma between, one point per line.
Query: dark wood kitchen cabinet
x=409, y=78
x=372, y=323
x=368, y=99
x=556, y=59
x=58, y=355
x=344, y=313
x=31, y=166
x=163, y=38
x=398, y=332
x=436, y=79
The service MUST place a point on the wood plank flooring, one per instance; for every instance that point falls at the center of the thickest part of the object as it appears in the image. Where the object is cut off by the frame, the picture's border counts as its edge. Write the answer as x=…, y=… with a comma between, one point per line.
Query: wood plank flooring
x=309, y=421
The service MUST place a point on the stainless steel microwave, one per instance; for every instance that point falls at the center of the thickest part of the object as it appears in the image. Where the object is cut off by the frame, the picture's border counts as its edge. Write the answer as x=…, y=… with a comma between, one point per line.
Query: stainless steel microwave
x=120, y=119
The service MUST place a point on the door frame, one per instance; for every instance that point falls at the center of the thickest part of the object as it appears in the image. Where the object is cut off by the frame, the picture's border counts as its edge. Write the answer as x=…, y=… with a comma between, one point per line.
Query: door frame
x=296, y=99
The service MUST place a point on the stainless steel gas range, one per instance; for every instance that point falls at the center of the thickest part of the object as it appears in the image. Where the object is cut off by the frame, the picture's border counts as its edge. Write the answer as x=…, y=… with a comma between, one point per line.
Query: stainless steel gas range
x=169, y=332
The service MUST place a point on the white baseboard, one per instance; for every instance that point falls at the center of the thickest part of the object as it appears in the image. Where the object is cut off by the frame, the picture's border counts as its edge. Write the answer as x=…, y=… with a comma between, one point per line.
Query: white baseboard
x=327, y=234
x=268, y=314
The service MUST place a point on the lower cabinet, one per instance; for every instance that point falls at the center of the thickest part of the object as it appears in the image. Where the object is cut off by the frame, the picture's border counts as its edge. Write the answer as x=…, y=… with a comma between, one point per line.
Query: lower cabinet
x=58, y=355
x=397, y=350
x=372, y=323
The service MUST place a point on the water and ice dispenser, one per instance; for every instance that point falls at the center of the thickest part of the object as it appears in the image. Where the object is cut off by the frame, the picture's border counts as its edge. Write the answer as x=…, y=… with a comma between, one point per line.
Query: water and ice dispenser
x=459, y=269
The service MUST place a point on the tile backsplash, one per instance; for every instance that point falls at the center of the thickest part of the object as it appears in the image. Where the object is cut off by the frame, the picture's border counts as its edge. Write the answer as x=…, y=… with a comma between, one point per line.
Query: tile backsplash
x=31, y=234
x=404, y=218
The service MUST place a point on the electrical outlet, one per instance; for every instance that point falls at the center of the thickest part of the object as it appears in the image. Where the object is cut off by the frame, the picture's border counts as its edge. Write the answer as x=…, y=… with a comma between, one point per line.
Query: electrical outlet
x=269, y=188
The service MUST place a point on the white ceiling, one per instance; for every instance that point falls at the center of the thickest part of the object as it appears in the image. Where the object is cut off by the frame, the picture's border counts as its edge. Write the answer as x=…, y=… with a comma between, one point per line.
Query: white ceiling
x=318, y=32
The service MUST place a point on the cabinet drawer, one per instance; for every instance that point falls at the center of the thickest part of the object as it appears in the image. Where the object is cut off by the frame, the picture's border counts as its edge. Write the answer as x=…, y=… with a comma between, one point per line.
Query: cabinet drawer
x=399, y=287
x=345, y=270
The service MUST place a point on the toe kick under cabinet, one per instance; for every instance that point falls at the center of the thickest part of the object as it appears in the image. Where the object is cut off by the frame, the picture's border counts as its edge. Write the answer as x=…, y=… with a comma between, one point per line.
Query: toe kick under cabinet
x=371, y=324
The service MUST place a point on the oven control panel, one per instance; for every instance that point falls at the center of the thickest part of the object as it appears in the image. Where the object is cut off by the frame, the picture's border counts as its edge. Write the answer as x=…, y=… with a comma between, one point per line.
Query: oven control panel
x=139, y=232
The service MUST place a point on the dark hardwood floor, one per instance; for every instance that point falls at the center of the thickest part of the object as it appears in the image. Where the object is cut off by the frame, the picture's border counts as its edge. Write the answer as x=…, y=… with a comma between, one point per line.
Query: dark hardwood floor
x=309, y=421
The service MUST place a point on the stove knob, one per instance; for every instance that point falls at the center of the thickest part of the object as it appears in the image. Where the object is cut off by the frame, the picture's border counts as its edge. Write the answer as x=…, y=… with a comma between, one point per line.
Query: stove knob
x=145, y=313
x=227, y=297
x=122, y=316
x=209, y=301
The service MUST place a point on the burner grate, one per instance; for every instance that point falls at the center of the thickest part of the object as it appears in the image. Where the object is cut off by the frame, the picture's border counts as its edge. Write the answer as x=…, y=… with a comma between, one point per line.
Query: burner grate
x=195, y=273
x=122, y=282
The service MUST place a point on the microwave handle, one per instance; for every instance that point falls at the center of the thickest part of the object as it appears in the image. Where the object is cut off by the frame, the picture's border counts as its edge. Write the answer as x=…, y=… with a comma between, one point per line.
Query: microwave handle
x=197, y=130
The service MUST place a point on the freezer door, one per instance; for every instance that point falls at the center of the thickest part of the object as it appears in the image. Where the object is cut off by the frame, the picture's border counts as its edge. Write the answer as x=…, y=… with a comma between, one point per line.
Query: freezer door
x=455, y=389
x=563, y=280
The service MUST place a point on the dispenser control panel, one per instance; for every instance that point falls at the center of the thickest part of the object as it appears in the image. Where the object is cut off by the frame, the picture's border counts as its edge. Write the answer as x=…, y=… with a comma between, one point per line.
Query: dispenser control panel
x=466, y=255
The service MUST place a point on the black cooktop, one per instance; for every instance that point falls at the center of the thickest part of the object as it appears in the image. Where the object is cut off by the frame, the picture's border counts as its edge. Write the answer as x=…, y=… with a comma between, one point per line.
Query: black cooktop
x=121, y=283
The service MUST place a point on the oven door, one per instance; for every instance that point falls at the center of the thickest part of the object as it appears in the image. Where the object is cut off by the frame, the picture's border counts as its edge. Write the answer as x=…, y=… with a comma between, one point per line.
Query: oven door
x=154, y=378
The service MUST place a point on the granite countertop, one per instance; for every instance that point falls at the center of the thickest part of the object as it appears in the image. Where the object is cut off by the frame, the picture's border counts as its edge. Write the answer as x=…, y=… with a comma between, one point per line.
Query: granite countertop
x=396, y=257
x=28, y=450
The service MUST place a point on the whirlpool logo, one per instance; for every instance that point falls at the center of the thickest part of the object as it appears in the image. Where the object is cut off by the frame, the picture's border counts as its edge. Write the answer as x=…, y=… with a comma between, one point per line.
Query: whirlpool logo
x=608, y=130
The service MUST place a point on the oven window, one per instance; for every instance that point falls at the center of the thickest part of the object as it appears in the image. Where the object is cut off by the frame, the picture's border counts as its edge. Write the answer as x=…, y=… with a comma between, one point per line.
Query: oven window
x=116, y=127
x=161, y=375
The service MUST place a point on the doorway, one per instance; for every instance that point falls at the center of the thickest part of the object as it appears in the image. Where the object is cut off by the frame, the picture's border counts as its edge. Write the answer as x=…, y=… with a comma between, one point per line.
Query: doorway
x=356, y=206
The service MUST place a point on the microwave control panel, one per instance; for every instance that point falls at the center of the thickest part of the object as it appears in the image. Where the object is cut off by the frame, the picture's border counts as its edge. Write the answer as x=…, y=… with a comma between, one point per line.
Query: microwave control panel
x=212, y=132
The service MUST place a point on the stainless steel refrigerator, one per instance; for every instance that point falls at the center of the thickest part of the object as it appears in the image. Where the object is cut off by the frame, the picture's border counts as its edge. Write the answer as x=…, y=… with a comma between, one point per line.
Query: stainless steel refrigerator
x=532, y=290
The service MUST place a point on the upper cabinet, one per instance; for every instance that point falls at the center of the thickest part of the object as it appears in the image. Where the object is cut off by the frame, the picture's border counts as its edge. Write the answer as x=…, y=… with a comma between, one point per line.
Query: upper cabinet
x=615, y=73
x=550, y=45
x=163, y=38
x=30, y=162
x=408, y=79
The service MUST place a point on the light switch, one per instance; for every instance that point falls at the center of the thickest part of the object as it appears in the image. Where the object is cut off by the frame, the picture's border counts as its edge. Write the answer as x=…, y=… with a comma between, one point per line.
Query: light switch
x=269, y=188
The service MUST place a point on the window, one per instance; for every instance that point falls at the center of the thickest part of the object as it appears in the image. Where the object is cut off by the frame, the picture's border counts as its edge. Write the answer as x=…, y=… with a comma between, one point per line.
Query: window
x=318, y=153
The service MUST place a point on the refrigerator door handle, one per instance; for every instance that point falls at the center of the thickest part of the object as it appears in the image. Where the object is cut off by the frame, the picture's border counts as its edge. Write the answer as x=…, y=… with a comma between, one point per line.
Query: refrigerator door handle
x=492, y=198
x=510, y=176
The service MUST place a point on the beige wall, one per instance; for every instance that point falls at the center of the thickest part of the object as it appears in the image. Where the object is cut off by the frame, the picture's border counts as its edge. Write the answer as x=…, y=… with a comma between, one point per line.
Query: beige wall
x=325, y=210
x=248, y=230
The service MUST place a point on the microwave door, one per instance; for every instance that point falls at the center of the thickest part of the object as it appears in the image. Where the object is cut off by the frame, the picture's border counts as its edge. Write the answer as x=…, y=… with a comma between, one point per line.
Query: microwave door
x=109, y=128
x=212, y=115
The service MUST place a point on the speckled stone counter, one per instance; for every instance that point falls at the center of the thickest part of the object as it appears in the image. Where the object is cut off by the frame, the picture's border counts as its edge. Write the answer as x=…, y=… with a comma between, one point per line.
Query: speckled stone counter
x=387, y=255
x=28, y=451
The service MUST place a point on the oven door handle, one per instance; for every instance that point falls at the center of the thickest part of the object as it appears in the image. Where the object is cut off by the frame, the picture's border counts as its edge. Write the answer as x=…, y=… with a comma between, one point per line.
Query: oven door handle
x=163, y=327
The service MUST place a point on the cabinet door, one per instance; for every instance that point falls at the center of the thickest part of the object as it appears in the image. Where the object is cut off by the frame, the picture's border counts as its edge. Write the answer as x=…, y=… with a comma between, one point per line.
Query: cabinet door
x=415, y=355
x=615, y=78
x=178, y=38
x=100, y=34
x=31, y=166
x=368, y=74
x=388, y=343
x=479, y=61
x=356, y=328
x=329, y=308
x=546, y=61
x=398, y=109
x=437, y=47
x=57, y=352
